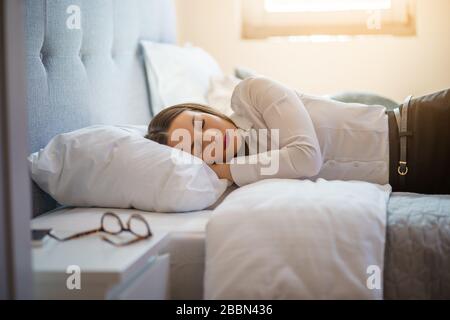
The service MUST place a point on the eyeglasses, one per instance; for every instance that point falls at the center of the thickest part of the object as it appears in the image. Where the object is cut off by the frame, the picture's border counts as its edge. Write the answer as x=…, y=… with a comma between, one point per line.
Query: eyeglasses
x=110, y=223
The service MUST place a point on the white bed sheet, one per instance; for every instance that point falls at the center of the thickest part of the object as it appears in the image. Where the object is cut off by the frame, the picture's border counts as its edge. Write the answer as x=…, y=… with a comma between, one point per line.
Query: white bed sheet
x=298, y=239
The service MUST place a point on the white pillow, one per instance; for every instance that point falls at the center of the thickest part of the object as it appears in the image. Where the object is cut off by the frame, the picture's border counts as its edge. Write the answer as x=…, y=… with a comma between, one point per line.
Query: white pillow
x=220, y=91
x=177, y=74
x=115, y=166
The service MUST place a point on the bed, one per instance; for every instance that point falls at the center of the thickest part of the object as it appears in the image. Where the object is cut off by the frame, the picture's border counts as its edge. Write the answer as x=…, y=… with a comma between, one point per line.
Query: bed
x=107, y=85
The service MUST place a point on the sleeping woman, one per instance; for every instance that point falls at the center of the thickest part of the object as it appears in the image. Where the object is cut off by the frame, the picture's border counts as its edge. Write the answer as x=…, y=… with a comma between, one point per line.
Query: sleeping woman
x=278, y=132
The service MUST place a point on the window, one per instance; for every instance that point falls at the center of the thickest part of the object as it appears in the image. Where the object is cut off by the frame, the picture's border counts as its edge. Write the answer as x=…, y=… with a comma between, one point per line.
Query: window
x=268, y=18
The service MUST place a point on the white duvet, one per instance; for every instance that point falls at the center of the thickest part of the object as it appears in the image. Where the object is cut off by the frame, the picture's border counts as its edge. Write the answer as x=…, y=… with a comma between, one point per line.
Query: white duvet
x=298, y=239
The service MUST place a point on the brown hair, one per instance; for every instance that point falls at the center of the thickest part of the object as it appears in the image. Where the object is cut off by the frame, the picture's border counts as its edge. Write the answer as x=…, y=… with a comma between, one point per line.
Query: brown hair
x=159, y=126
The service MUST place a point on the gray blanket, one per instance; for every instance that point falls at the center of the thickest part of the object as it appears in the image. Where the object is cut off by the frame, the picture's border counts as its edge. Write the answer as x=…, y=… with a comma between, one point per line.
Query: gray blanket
x=417, y=253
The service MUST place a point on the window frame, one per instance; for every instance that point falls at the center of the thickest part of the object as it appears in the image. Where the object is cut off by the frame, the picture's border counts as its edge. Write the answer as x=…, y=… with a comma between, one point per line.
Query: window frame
x=257, y=23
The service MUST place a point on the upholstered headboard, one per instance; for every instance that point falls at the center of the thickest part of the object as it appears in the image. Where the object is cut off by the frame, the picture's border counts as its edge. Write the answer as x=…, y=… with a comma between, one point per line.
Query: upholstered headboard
x=85, y=66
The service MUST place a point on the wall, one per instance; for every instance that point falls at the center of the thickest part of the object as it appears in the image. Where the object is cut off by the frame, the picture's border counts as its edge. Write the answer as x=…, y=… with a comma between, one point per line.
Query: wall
x=391, y=66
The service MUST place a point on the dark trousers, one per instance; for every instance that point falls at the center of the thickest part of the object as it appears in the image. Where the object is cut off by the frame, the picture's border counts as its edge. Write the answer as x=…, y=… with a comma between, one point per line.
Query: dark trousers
x=428, y=149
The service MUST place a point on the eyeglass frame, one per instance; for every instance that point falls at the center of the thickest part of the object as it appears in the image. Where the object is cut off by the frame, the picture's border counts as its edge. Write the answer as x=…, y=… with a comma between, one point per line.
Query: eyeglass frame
x=122, y=229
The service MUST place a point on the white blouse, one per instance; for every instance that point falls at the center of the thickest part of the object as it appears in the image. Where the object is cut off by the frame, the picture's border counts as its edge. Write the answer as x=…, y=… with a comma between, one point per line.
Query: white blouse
x=318, y=137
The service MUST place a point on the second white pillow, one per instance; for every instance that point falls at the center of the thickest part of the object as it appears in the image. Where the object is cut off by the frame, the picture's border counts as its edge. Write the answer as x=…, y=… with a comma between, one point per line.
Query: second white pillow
x=177, y=74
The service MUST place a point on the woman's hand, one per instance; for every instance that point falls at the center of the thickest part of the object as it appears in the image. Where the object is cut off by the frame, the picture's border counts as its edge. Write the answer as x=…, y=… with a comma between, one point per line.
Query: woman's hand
x=222, y=170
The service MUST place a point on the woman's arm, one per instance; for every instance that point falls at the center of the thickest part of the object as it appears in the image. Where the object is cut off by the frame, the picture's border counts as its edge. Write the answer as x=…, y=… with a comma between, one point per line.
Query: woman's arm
x=299, y=155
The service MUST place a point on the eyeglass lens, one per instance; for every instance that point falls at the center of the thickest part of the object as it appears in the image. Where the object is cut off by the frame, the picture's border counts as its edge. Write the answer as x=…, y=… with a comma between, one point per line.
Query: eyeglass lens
x=111, y=223
x=138, y=226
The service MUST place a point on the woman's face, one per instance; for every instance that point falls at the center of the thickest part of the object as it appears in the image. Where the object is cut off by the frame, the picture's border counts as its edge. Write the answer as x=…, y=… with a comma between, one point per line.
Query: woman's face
x=204, y=135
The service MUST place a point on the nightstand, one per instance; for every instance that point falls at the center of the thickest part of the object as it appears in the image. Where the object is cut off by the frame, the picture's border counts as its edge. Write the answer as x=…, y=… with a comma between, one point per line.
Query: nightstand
x=90, y=268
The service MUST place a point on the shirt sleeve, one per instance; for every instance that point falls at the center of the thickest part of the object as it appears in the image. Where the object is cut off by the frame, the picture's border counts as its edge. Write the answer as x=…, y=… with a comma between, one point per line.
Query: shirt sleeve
x=298, y=155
